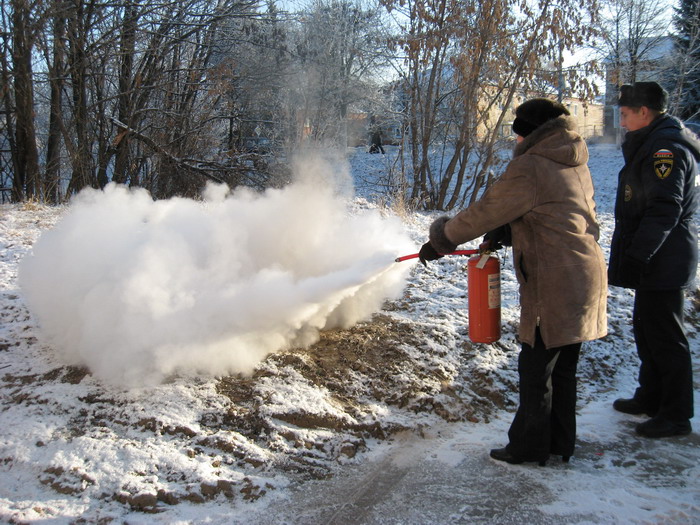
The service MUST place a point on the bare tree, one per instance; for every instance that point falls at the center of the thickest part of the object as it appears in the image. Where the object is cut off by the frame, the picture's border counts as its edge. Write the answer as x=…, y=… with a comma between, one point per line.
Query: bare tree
x=135, y=92
x=338, y=47
x=22, y=34
x=631, y=31
x=468, y=63
x=685, y=68
x=55, y=56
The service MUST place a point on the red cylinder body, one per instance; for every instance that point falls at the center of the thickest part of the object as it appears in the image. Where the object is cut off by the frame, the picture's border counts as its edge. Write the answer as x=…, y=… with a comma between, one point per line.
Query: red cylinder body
x=484, y=289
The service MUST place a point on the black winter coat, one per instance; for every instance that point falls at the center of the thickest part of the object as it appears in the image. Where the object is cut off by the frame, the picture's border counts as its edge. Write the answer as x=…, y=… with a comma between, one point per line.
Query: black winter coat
x=654, y=245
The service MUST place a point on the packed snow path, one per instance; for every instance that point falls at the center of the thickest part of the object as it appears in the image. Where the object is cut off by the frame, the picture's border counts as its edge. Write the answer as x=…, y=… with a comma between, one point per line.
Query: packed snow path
x=445, y=476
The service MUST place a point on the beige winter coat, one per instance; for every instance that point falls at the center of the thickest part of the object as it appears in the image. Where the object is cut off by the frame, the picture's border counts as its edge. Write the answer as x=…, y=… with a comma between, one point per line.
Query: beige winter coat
x=546, y=195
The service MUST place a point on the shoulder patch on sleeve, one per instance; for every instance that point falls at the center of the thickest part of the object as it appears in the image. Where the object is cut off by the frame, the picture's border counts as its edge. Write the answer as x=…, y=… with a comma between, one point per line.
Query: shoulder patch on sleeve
x=663, y=154
x=663, y=163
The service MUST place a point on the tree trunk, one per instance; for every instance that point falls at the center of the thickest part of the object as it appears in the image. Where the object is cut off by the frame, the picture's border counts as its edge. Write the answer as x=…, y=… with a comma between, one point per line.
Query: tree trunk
x=26, y=178
x=82, y=160
x=127, y=46
x=53, y=144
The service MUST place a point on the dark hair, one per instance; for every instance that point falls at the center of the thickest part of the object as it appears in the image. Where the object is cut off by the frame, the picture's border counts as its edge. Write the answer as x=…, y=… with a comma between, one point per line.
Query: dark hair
x=649, y=94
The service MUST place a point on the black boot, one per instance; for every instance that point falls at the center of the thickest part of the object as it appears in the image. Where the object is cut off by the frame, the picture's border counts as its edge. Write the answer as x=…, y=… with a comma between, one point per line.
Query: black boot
x=502, y=454
x=659, y=427
x=632, y=406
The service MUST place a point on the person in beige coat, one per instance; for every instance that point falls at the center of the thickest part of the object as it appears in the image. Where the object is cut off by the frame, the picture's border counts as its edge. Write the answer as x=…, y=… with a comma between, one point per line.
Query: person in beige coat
x=545, y=197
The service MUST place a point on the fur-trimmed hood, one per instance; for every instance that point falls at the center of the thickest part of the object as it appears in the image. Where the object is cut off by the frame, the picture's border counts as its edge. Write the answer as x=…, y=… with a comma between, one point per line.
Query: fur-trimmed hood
x=566, y=148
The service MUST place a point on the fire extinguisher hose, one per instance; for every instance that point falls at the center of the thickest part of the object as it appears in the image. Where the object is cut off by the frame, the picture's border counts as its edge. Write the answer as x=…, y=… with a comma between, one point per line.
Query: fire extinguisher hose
x=416, y=255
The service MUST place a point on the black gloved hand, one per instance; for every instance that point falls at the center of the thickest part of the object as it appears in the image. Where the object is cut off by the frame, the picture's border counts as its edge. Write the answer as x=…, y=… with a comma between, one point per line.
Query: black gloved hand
x=489, y=246
x=428, y=253
x=498, y=238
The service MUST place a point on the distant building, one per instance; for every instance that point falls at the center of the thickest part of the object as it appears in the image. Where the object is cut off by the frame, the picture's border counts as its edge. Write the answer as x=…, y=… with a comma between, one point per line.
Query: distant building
x=589, y=116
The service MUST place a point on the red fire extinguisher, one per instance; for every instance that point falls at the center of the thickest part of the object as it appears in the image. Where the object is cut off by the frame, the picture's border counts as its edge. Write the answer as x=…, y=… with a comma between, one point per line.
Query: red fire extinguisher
x=484, y=292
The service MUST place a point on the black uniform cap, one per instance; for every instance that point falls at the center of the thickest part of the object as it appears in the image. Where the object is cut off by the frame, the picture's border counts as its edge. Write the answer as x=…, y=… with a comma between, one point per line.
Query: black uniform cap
x=649, y=94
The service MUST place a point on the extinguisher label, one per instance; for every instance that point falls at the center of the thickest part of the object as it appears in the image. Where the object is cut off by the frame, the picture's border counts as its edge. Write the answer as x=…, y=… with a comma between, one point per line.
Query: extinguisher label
x=494, y=290
x=482, y=261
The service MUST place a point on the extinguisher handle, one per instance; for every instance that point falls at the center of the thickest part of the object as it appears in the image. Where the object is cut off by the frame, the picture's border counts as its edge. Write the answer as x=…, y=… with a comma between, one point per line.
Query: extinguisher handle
x=456, y=252
x=485, y=247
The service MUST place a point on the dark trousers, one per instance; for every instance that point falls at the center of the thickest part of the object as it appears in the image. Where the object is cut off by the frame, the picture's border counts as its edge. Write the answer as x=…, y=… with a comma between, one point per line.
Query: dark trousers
x=545, y=421
x=666, y=373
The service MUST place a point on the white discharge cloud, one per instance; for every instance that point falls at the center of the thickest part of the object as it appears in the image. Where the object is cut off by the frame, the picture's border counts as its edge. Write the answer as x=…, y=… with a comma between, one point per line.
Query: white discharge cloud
x=137, y=290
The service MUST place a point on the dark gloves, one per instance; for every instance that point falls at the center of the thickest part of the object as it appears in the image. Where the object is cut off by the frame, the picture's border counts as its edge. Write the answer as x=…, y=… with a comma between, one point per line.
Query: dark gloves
x=497, y=239
x=428, y=253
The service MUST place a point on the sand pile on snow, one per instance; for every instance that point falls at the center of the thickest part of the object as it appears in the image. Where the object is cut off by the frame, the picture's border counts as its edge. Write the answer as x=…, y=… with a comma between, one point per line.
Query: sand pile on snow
x=136, y=290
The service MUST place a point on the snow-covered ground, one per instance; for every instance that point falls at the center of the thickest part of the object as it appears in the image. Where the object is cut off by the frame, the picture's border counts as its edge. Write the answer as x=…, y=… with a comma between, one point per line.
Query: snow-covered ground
x=387, y=421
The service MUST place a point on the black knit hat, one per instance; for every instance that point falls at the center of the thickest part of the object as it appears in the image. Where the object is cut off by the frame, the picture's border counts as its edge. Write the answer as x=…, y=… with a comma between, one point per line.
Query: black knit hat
x=532, y=114
x=649, y=94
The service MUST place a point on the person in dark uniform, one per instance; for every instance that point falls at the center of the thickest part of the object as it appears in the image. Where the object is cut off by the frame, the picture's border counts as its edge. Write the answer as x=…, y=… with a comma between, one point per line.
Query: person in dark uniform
x=654, y=252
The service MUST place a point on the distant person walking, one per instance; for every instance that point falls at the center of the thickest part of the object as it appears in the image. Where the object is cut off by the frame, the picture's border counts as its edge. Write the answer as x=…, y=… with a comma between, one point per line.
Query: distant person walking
x=375, y=138
x=545, y=198
x=654, y=252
